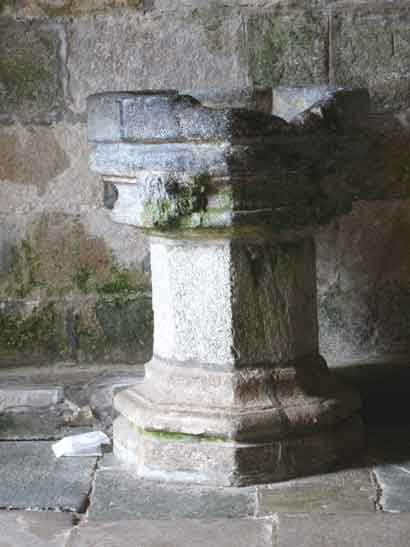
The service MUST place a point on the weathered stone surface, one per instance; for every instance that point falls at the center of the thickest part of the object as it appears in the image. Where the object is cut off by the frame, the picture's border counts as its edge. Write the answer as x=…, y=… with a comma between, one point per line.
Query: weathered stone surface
x=32, y=478
x=344, y=491
x=209, y=320
x=357, y=530
x=30, y=69
x=223, y=323
x=194, y=170
x=31, y=157
x=190, y=533
x=70, y=8
x=12, y=397
x=287, y=49
x=394, y=481
x=119, y=495
x=41, y=425
x=81, y=302
x=29, y=529
x=363, y=296
x=370, y=48
x=206, y=57
x=175, y=457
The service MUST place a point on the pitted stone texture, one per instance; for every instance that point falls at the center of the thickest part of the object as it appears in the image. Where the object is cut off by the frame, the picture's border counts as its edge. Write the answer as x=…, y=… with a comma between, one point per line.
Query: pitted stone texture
x=208, y=295
x=32, y=478
x=370, y=47
x=287, y=49
x=189, y=533
x=30, y=69
x=29, y=529
x=97, y=51
x=167, y=116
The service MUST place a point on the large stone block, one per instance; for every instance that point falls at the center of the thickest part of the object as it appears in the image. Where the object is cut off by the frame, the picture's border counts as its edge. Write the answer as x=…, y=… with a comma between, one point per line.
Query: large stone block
x=153, y=53
x=287, y=49
x=371, y=48
x=70, y=8
x=364, y=296
x=31, y=157
x=30, y=70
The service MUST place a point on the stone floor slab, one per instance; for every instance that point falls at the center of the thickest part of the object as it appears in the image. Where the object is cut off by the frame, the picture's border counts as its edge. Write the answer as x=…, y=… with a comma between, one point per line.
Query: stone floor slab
x=119, y=495
x=350, y=490
x=177, y=533
x=31, y=477
x=394, y=482
x=378, y=530
x=30, y=529
x=37, y=426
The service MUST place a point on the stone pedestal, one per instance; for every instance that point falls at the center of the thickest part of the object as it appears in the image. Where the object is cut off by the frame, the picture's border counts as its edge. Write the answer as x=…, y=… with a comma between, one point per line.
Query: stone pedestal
x=236, y=392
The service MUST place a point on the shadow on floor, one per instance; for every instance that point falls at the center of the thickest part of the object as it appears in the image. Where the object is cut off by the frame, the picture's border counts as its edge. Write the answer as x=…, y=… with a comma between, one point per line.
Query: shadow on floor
x=384, y=387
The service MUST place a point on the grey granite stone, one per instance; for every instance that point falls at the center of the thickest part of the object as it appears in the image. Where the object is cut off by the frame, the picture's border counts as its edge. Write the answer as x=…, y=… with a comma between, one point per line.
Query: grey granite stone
x=161, y=53
x=30, y=69
x=30, y=529
x=370, y=47
x=40, y=425
x=343, y=531
x=287, y=49
x=32, y=478
x=119, y=495
x=394, y=481
x=175, y=533
x=345, y=491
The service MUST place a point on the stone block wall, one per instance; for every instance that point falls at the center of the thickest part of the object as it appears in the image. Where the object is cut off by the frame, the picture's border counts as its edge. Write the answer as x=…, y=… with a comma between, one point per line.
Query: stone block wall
x=74, y=286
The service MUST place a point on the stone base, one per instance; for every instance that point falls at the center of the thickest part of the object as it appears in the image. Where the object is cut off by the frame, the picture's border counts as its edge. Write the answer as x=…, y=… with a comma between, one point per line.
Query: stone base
x=188, y=458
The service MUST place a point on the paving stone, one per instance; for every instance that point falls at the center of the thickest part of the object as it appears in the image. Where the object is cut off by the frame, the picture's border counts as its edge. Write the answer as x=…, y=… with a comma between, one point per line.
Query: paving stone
x=343, y=530
x=394, y=480
x=343, y=491
x=35, y=396
x=119, y=494
x=39, y=426
x=189, y=533
x=30, y=529
x=31, y=477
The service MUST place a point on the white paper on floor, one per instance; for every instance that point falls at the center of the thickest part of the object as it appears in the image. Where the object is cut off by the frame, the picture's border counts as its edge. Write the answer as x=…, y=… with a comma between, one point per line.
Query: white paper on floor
x=84, y=444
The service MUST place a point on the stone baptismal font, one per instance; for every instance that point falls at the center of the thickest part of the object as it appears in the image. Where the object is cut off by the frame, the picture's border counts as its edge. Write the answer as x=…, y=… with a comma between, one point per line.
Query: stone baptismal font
x=236, y=392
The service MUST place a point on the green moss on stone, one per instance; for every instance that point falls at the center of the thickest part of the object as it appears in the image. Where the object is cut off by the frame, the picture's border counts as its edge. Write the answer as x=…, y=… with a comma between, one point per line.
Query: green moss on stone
x=179, y=203
x=40, y=331
x=287, y=49
x=29, y=69
x=178, y=437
